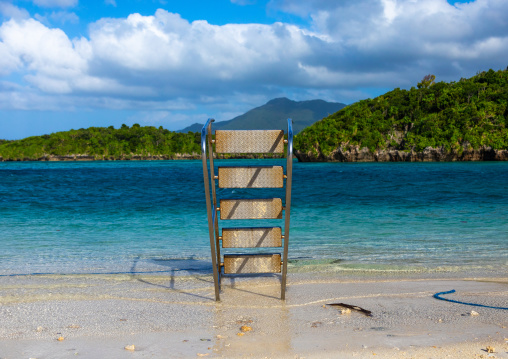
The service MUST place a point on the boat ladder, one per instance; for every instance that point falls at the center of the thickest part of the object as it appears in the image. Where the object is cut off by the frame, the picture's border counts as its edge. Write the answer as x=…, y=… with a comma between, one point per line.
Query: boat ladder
x=224, y=209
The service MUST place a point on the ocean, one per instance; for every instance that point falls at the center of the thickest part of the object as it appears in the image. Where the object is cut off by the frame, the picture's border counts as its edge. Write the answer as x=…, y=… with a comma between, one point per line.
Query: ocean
x=150, y=217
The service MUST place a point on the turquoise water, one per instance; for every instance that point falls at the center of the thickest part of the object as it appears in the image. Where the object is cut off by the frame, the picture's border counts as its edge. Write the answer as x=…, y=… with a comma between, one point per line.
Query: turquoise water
x=124, y=217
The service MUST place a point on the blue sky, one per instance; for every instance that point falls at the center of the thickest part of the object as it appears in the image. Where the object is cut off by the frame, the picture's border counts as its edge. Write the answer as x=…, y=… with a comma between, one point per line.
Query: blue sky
x=73, y=63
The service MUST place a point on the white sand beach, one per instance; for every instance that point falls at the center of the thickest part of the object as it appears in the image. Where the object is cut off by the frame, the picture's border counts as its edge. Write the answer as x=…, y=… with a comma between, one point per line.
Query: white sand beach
x=97, y=316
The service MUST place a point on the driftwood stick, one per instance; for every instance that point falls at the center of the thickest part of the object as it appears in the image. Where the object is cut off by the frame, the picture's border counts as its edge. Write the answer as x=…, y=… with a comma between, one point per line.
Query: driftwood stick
x=368, y=313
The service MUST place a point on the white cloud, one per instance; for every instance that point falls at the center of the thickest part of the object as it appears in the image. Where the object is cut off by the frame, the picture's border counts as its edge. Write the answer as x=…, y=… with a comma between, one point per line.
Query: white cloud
x=165, y=42
x=110, y=2
x=182, y=57
x=348, y=47
x=400, y=36
x=11, y=11
x=56, y=3
x=48, y=53
x=8, y=61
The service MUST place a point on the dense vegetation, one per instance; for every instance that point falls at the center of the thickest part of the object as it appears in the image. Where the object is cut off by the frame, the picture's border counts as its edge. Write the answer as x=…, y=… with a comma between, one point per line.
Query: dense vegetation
x=468, y=113
x=102, y=142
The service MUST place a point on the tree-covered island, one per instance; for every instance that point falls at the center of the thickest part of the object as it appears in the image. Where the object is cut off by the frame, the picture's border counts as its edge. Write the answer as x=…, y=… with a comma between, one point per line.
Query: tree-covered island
x=464, y=120
x=104, y=143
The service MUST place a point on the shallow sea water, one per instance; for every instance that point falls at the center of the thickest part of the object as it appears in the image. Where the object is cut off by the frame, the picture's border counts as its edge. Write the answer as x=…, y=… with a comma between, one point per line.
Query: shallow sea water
x=150, y=216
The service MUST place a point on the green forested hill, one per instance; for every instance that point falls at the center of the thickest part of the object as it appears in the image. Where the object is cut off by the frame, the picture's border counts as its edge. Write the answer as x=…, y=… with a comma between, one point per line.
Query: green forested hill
x=471, y=113
x=103, y=142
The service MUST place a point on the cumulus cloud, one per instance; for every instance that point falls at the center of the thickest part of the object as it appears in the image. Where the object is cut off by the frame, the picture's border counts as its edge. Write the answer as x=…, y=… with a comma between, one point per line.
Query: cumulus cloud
x=406, y=36
x=347, y=47
x=157, y=56
x=48, y=55
x=181, y=56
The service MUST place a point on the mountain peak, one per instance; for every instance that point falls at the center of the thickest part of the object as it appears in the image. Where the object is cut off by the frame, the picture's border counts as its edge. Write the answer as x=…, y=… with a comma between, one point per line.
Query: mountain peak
x=280, y=100
x=274, y=114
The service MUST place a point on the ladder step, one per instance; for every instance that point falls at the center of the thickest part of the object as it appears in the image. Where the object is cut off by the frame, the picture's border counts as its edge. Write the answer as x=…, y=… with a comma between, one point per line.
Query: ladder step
x=252, y=141
x=251, y=237
x=251, y=177
x=267, y=208
x=251, y=263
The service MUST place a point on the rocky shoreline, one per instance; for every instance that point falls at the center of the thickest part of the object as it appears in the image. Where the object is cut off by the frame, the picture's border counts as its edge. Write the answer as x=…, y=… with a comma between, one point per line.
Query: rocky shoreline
x=351, y=154
x=79, y=157
x=429, y=154
x=133, y=157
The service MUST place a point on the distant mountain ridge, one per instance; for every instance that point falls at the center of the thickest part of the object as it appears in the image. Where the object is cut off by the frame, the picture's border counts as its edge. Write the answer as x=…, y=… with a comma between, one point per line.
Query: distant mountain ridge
x=273, y=116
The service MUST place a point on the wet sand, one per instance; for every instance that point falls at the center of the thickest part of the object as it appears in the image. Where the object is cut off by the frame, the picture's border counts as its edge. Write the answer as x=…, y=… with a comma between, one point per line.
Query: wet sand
x=97, y=316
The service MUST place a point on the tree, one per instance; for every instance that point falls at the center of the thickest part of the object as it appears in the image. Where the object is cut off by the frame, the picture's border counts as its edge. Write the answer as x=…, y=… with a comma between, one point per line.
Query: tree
x=427, y=81
x=467, y=114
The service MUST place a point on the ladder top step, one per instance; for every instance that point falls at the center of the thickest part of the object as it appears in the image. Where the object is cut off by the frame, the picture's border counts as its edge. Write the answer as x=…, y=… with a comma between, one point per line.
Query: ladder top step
x=251, y=141
x=251, y=177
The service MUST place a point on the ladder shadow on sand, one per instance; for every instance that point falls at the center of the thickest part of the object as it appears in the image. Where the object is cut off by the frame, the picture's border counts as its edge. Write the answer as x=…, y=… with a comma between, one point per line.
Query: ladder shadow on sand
x=194, y=267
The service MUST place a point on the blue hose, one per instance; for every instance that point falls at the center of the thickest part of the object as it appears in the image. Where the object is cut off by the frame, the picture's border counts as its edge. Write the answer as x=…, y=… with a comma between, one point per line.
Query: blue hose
x=437, y=296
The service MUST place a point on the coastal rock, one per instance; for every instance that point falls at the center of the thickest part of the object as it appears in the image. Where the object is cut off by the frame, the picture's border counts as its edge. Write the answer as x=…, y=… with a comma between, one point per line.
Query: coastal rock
x=429, y=154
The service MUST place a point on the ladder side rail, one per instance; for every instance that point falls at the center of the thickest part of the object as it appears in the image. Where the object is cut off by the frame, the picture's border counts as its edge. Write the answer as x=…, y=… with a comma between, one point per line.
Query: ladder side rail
x=287, y=211
x=218, y=262
x=214, y=197
x=211, y=218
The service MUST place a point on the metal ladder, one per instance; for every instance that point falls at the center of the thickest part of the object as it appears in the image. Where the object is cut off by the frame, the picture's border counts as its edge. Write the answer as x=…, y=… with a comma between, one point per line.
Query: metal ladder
x=235, y=142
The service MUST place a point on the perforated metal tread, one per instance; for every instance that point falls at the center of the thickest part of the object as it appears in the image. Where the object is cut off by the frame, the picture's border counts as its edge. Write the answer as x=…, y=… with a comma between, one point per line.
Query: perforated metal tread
x=252, y=141
x=266, y=208
x=252, y=263
x=251, y=177
x=252, y=237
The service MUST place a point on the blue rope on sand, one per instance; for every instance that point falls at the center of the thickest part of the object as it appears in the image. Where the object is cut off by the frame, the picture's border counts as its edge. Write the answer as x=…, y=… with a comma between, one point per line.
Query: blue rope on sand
x=437, y=296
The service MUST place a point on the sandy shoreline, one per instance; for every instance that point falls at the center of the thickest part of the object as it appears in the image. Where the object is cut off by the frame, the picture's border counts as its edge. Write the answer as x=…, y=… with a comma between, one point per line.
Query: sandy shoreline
x=164, y=316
